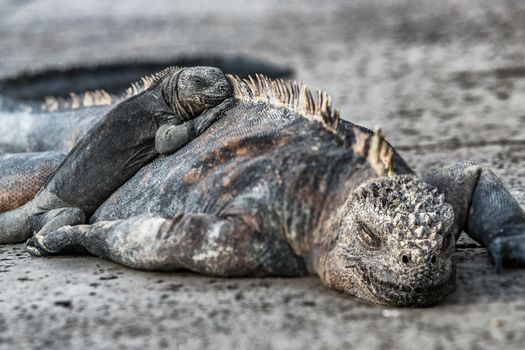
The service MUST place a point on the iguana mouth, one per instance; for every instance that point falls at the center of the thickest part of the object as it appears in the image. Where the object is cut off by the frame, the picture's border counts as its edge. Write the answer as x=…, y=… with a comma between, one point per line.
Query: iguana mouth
x=396, y=294
x=216, y=99
x=212, y=100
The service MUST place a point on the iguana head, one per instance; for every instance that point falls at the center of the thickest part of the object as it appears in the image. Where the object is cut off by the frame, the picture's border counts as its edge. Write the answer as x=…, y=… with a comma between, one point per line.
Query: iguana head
x=189, y=91
x=394, y=244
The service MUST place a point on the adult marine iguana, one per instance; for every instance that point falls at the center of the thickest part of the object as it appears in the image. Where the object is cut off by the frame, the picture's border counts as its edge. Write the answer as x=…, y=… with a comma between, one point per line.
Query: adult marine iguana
x=177, y=105
x=282, y=186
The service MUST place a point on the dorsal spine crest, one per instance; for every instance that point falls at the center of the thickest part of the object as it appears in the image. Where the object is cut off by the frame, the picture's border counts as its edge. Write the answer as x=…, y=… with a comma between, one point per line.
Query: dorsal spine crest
x=295, y=96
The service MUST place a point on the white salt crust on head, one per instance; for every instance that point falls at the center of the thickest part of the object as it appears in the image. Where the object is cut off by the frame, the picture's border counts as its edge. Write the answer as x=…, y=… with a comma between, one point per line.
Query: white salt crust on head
x=404, y=205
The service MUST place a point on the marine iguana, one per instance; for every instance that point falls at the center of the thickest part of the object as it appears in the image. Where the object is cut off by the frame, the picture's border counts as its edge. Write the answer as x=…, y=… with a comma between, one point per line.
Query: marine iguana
x=177, y=105
x=282, y=186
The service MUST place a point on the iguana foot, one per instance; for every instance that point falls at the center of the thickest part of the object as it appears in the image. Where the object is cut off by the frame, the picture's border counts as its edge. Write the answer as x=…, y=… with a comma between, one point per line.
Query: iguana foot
x=59, y=241
x=509, y=251
x=203, y=121
x=35, y=248
x=47, y=244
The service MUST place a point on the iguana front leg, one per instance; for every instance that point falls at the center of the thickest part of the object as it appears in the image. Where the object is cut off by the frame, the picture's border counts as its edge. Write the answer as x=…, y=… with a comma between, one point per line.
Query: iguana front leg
x=171, y=137
x=202, y=243
x=484, y=209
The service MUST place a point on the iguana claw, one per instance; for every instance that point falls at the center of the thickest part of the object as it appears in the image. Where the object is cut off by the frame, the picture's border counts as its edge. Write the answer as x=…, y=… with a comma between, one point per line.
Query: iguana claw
x=508, y=250
x=35, y=248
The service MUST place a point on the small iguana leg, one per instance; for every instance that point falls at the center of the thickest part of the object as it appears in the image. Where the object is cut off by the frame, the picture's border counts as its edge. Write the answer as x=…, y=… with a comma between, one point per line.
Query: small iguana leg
x=56, y=218
x=43, y=214
x=485, y=210
x=197, y=242
x=15, y=226
x=170, y=137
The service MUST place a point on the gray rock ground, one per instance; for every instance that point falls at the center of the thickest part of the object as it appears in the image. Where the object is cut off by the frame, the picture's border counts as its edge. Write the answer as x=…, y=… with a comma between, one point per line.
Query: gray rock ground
x=446, y=81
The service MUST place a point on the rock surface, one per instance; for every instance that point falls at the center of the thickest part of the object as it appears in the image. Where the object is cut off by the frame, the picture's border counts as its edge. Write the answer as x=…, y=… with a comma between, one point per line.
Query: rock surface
x=445, y=80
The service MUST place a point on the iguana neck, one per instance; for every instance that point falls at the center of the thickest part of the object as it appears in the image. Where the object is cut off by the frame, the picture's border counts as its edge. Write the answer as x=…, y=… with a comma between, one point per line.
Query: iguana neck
x=149, y=101
x=310, y=227
x=181, y=109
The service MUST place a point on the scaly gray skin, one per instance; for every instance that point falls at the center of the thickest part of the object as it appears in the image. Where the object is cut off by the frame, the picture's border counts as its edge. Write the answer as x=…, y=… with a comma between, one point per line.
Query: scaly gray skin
x=23, y=174
x=176, y=105
x=281, y=186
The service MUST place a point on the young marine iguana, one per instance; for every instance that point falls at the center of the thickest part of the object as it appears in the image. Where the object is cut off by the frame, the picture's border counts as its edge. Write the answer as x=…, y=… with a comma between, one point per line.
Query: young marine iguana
x=281, y=186
x=177, y=106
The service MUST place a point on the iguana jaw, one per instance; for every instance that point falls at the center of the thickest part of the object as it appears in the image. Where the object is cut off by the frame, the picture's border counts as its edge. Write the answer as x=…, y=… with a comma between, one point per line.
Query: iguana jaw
x=395, y=294
x=367, y=280
x=393, y=245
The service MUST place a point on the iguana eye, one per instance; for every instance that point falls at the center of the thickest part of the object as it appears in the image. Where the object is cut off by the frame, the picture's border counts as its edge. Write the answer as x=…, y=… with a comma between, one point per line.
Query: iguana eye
x=198, y=81
x=368, y=237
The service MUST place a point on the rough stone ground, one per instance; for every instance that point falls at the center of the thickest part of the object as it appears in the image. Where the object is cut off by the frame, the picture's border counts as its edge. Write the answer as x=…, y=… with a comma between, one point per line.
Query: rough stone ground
x=446, y=81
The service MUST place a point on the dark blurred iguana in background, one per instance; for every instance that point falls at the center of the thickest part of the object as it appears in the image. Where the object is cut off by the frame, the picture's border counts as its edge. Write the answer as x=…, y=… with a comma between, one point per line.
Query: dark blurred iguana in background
x=280, y=185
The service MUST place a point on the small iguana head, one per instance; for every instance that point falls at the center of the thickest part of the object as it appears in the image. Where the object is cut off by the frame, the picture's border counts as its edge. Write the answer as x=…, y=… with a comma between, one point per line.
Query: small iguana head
x=191, y=90
x=394, y=244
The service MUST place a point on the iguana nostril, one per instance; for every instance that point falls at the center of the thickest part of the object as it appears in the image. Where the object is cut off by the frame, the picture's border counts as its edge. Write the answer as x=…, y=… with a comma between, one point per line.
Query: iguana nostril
x=405, y=259
x=433, y=259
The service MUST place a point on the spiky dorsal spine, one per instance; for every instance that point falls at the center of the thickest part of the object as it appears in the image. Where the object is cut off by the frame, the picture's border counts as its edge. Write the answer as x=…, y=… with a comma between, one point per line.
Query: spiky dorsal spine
x=292, y=95
x=298, y=98
x=76, y=101
x=148, y=81
x=375, y=148
x=289, y=94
